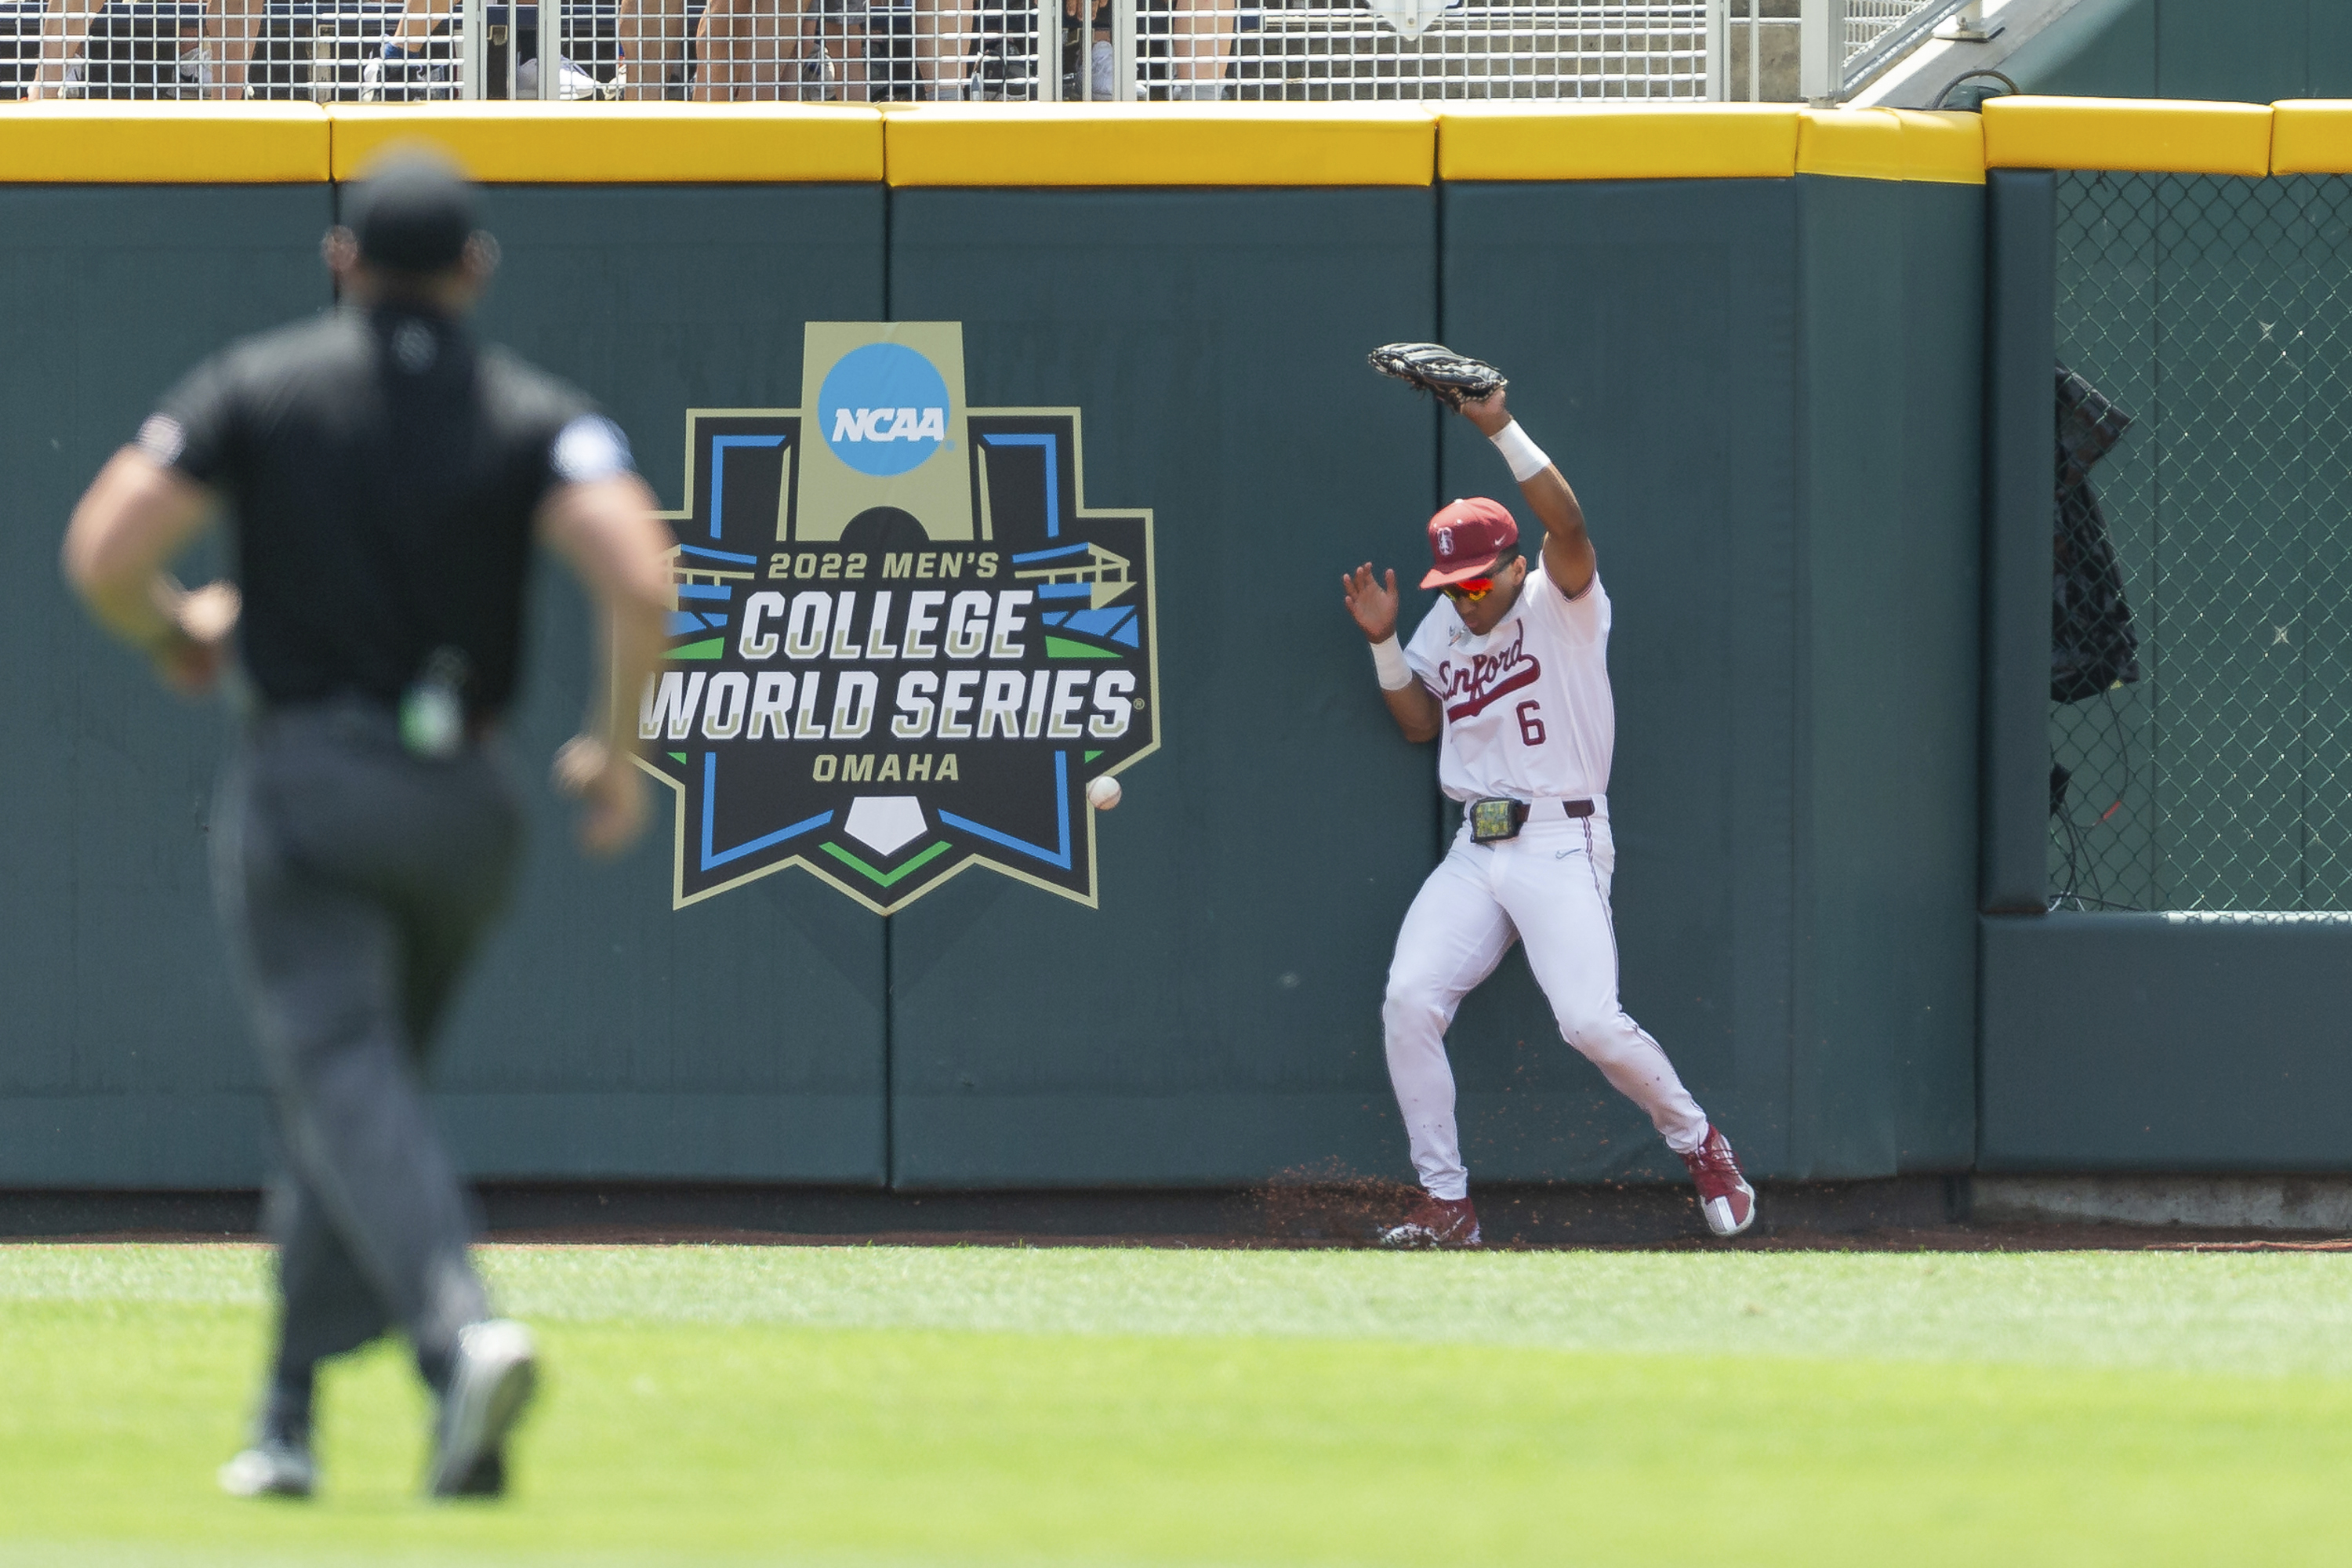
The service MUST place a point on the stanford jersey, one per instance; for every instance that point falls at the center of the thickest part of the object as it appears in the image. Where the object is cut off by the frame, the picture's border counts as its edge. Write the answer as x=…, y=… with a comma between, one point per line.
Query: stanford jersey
x=1527, y=709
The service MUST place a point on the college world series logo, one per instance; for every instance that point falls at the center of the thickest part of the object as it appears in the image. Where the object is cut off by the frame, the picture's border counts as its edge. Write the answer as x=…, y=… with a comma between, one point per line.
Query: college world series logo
x=903, y=643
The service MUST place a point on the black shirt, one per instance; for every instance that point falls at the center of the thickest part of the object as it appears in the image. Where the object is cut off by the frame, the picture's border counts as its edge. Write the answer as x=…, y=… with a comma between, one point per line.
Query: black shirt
x=381, y=471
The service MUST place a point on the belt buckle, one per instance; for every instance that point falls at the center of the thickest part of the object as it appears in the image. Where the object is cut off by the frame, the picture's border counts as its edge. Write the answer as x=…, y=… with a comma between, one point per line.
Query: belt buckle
x=1494, y=820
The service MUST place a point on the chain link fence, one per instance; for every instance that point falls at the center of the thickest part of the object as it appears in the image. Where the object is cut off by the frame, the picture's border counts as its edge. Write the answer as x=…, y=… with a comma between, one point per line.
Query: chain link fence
x=2200, y=722
x=855, y=50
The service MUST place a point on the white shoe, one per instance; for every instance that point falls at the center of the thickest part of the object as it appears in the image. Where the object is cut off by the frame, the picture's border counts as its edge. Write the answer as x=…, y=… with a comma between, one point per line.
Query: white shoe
x=271, y=1468
x=496, y=1372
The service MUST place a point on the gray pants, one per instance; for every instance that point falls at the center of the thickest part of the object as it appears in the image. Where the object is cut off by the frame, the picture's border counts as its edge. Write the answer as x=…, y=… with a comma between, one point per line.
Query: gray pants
x=355, y=882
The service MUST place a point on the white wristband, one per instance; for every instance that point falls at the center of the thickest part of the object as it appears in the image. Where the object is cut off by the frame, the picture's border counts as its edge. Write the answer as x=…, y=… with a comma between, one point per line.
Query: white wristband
x=1527, y=458
x=1387, y=661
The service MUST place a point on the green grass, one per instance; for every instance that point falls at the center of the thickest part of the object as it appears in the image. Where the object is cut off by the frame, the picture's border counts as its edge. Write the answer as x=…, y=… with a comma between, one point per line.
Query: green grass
x=892, y=1407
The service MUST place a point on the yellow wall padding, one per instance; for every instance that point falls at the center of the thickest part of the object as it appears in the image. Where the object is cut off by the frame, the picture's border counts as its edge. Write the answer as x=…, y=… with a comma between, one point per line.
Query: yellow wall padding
x=1270, y=145
x=1161, y=145
x=624, y=144
x=1945, y=148
x=2143, y=134
x=1892, y=144
x=1859, y=144
x=2312, y=136
x=1521, y=141
x=163, y=144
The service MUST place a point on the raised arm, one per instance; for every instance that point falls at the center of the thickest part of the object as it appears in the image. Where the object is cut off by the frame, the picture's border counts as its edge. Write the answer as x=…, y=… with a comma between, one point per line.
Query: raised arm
x=1567, y=549
x=1373, y=604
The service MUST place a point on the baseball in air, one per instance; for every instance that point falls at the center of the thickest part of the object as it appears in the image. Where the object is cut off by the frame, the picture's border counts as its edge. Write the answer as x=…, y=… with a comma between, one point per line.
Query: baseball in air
x=1103, y=792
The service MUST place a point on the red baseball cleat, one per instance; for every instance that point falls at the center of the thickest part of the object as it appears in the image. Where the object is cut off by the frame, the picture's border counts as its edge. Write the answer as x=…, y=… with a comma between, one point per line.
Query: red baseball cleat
x=1723, y=1194
x=1436, y=1222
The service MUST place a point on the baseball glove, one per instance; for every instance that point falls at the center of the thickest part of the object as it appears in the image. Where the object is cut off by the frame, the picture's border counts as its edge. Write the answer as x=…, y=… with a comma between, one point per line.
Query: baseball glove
x=1434, y=368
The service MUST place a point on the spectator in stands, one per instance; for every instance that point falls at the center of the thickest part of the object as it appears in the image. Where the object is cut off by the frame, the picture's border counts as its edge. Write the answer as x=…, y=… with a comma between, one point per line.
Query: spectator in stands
x=974, y=48
x=653, y=47
x=171, y=51
x=1094, y=39
x=792, y=50
x=943, y=40
x=1200, y=42
x=419, y=61
x=954, y=38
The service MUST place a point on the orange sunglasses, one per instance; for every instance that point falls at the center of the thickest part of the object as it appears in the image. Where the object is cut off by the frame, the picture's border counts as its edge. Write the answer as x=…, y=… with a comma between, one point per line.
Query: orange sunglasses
x=1470, y=592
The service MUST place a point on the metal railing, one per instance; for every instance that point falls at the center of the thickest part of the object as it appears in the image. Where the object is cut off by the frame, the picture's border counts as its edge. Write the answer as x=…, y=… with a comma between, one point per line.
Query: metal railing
x=1874, y=34
x=1844, y=45
x=953, y=50
x=860, y=50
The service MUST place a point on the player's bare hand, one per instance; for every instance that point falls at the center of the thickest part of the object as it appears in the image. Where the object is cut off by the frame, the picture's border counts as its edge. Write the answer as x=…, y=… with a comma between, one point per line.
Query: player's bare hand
x=1371, y=602
x=611, y=790
x=1487, y=413
x=192, y=657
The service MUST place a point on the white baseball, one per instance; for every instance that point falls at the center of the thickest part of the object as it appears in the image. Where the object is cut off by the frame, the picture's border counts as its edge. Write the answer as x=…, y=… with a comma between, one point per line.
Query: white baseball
x=1103, y=792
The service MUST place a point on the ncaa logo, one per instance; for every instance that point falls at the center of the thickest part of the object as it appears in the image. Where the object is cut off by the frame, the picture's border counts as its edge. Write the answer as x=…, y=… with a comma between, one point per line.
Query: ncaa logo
x=868, y=676
x=883, y=410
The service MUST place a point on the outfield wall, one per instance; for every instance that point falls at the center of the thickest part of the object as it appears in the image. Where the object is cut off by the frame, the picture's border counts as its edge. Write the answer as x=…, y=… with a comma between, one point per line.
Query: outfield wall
x=2195, y=1040
x=1751, y=335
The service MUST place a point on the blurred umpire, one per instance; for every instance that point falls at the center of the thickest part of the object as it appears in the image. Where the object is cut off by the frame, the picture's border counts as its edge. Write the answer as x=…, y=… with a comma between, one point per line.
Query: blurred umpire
x=383, y=478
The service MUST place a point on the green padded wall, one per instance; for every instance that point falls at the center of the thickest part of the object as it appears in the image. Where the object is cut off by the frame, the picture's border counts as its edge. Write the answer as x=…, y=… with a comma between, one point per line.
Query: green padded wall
x=2195, y=1040
x=1218, y=1017
x=1883, y=1069
x=608, y=1035
x=2149, y=1042
x=122, y=1059
x=1766, y=390
x=1650, y=331
x=605, y=1034
x=2021, y=331
x=1766, y=394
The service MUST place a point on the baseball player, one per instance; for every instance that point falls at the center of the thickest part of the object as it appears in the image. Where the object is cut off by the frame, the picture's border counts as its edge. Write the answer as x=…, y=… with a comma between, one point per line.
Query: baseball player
x=1510, y=671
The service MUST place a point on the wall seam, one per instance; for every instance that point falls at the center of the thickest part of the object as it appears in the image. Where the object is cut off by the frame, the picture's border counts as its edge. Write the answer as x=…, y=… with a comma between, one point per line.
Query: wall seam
x=1437, y=442
x=1801, y=669
x=889, y=926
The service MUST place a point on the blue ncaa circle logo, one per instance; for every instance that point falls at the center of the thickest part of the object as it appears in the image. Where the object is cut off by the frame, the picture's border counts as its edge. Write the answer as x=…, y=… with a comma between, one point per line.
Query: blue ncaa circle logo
x=883, y=410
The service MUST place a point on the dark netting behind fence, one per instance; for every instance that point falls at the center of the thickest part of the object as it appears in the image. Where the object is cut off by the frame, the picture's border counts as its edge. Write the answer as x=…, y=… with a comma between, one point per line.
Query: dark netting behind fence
x=2200, y=717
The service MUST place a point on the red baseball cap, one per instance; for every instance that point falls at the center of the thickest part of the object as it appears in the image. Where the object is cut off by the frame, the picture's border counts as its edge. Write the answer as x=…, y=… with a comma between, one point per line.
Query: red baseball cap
x=1466, y=539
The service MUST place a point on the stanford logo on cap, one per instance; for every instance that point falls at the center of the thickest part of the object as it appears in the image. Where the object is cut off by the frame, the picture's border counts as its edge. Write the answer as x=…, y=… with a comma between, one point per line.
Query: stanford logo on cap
x=1466, y=539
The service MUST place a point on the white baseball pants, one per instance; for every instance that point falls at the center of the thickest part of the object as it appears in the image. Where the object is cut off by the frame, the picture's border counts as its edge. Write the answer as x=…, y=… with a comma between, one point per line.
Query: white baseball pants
x=1550, y=886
